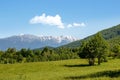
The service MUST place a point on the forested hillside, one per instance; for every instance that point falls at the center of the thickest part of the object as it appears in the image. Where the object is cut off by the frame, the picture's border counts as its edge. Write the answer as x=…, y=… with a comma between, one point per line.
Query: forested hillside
x=112, y=35
x=111, y=32
x=115, y=40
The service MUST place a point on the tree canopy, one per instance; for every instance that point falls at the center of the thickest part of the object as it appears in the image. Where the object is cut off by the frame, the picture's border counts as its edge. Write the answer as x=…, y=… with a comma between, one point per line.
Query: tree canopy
x=95, y=47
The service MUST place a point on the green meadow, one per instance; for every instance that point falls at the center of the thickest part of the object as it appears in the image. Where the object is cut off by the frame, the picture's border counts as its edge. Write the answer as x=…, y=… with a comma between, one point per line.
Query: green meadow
x=74, y=69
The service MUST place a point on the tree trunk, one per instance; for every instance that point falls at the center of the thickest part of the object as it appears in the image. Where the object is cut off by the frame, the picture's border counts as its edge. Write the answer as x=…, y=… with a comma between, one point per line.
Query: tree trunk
x=91, y=61
x=99, y=61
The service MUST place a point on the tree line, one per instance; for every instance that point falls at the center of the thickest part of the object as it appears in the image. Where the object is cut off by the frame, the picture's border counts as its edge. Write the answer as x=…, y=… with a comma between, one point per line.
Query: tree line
x=11, y=55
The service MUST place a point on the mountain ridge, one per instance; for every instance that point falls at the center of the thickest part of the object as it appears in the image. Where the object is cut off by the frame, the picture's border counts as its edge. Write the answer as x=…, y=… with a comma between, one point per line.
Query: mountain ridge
x=32, y=41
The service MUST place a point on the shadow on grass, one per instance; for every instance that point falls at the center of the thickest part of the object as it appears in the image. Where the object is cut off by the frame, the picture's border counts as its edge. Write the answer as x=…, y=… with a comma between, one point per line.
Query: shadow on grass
x=111, y=74
x=80, y=65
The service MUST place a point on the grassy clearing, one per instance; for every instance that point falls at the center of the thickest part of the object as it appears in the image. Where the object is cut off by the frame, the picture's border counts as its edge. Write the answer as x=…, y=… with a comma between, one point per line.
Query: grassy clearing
x=74, y=69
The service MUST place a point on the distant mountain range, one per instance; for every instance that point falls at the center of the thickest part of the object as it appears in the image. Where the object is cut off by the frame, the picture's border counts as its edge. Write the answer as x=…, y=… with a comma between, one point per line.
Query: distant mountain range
x=32, y=41
x=112, y=35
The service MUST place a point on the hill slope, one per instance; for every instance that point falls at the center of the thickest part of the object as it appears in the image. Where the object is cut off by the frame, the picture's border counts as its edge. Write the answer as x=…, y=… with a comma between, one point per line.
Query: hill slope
x=112, y=35
x=111, y=32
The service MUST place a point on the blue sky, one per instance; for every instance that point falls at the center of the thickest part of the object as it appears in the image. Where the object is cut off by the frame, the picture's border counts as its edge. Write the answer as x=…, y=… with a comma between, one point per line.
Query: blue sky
x=78, y=18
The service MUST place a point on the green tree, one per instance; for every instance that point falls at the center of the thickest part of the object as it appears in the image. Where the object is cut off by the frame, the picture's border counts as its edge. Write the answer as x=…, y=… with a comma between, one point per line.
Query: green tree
x=82, y=50
x=116, y=50
x=23, y=51
x=102, y=47
x=9, y=55
x=95, y=47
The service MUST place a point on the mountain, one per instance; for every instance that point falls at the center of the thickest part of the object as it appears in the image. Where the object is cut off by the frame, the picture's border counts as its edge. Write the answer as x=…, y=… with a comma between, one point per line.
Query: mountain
x=32, y=42
x=112, y=35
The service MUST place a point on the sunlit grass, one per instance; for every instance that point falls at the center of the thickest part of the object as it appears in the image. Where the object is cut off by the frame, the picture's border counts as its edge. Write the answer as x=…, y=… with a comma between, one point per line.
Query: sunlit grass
x=60, y=70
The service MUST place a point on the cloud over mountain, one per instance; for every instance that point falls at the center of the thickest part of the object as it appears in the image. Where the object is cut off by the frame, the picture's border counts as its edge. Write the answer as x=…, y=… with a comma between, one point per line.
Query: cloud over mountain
x=76, y=25
x=54, y=21
x=50, y=20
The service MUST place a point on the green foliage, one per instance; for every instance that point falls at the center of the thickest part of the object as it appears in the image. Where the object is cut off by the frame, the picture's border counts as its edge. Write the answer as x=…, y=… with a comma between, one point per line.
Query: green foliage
x=111, y=32
x=115, y=46
x=114, y=41
x=74, y=44
x=116, y=51
x=11, y=55
x=95, y=47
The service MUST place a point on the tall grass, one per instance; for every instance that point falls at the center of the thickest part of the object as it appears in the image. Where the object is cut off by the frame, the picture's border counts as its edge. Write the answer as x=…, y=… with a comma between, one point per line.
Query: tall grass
x=75, y=69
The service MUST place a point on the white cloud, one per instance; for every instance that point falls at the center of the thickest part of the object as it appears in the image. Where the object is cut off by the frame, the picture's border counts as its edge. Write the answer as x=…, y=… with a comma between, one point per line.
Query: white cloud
x=50, y=20
x=53, y=21
x=76, y=25
x=69, y=25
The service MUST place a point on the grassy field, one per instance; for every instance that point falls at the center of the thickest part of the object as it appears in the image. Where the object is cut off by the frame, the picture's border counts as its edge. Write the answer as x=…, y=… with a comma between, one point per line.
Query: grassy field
x=75, y=69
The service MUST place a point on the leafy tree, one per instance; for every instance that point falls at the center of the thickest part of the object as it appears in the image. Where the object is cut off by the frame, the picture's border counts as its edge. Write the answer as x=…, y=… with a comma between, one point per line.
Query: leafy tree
x=102, y=47
x=37, y=52
x=82, y=50
x=95, y=47
x=23, y=52
x=116, y=50
x=18, y=57
x=29, y=53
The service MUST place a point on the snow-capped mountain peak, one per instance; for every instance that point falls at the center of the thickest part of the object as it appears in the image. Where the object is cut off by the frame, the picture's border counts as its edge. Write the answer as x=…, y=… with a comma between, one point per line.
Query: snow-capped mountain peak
x=32, y=41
